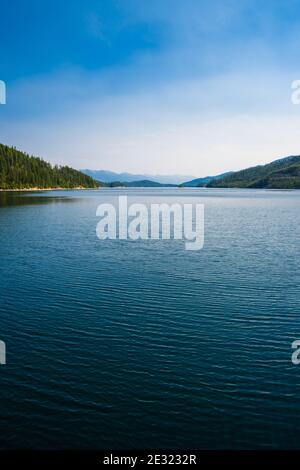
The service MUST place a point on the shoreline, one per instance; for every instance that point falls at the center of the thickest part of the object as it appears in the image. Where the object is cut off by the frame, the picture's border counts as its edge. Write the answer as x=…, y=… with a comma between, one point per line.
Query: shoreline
x=45, y=189
x=79, y=188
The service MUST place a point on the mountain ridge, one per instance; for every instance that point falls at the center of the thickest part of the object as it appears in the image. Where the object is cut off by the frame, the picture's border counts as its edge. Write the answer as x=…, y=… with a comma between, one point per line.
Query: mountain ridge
x=197, y=182
x=107, y=176
x=283, y=173
x=19, y=170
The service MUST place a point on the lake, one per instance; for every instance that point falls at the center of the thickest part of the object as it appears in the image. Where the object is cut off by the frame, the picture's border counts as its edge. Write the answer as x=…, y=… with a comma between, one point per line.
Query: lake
x=143, y=344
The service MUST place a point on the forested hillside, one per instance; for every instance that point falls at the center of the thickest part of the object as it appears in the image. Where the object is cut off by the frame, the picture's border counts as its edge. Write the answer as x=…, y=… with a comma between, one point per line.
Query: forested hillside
x=280, y=174
x=19, y=170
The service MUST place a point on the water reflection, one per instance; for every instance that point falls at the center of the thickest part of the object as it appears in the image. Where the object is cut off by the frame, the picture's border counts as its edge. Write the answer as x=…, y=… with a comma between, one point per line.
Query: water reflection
x=21, y=198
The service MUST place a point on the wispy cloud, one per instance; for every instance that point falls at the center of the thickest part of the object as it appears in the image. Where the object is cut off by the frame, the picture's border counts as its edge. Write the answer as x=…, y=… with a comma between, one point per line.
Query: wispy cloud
x=212, y=95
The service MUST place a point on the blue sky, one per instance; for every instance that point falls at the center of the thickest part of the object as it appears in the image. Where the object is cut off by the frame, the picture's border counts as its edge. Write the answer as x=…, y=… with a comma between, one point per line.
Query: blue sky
x=169, y=86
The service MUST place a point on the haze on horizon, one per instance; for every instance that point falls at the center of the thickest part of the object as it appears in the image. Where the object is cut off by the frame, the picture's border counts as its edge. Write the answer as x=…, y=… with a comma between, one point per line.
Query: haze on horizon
x=160, y=87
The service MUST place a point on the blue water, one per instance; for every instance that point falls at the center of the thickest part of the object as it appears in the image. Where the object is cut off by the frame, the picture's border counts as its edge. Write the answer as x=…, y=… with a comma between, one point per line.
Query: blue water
x=123, y=344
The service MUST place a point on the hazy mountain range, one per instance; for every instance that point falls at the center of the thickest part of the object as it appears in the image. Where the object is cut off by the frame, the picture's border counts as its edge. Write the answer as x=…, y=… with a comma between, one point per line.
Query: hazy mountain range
x=136, y=180
x=283, y=173
x=111, y=177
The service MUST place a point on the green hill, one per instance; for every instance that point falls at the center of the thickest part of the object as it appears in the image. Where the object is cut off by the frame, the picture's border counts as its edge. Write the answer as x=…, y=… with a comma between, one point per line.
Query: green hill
x=19, y=170
x=200, y=182
x=280, y=174
x=148, y=184
x=139, y=184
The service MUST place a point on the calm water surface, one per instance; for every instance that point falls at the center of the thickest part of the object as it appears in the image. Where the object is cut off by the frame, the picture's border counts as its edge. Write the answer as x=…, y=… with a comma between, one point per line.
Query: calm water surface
x=121, y=344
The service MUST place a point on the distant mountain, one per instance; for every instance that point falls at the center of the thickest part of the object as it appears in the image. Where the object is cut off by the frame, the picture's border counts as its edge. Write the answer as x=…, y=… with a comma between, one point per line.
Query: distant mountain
x=203, y=181
x=280, y=174
x=110, y=177
x=147, y=184
x=139, y=184
x=18, y=170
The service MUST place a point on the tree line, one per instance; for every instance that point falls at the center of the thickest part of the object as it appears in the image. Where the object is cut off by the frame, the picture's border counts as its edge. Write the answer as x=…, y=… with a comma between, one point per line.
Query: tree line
x=18, y=170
